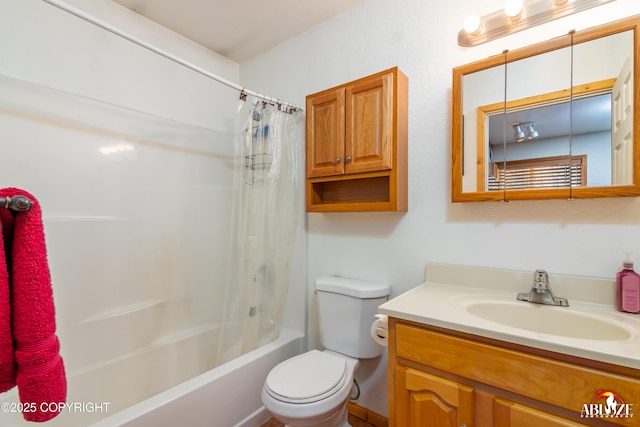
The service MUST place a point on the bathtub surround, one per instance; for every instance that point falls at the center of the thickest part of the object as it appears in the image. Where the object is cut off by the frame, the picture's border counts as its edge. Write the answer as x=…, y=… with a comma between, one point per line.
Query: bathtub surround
x=39, y=370
x=114, y=315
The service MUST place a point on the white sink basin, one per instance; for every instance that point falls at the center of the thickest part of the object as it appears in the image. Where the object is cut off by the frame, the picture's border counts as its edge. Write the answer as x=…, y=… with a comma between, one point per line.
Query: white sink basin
x=549, y=320
x=482, y=302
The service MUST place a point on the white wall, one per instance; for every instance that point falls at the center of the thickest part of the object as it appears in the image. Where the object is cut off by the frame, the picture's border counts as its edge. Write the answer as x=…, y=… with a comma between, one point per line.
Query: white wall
x=580, y=237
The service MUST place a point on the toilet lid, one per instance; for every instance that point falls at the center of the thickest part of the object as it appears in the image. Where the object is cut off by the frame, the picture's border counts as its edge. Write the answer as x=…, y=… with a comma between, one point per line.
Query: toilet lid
x=309, y=377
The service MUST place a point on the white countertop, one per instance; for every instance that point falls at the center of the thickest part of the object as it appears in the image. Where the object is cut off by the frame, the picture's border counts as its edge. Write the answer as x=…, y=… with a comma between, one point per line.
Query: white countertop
x=446, y=305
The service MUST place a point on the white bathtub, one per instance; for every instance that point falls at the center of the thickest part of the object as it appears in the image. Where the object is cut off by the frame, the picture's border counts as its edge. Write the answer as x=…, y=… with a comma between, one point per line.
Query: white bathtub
x=226, y=396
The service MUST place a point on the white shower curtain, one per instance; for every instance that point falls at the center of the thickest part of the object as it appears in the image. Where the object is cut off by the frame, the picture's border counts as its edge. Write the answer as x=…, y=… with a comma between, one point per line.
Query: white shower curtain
x=266, y=206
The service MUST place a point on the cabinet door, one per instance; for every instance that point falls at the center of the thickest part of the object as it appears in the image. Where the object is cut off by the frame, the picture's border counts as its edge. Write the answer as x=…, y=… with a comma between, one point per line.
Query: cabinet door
x=370, y=124
x=325, y=133
x=425, y=400
x=512, y=414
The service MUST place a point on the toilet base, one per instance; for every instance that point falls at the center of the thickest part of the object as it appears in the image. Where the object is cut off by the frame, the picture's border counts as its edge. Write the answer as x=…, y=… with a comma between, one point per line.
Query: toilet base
x=337, y=419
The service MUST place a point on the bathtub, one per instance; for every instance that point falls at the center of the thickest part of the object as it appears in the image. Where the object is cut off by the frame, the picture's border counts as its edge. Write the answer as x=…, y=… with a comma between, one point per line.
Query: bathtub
x=226, y=396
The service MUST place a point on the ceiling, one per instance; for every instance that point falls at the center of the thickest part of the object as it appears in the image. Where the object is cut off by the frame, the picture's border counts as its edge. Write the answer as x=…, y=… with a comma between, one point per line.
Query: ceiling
x=239, y=29
x=588, y=115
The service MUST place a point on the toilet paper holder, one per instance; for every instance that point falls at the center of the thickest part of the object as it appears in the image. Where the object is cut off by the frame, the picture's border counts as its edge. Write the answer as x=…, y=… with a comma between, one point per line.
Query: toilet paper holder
x=380, y=329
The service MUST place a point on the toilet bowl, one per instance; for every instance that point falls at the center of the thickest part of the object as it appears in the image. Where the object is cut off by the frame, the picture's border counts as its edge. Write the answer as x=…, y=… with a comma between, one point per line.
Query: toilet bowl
x=311, y=389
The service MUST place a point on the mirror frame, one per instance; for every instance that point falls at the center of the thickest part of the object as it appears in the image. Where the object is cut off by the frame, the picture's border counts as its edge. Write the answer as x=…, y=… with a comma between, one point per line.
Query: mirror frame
x=457, y=155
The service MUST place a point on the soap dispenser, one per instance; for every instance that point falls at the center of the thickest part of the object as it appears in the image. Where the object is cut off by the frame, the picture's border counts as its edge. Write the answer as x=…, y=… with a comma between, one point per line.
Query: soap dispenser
x=628, y=288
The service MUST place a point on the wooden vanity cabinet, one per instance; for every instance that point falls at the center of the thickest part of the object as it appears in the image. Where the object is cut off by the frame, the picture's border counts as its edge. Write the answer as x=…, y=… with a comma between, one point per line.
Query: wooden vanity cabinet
x=444, y=378
x=356, y=152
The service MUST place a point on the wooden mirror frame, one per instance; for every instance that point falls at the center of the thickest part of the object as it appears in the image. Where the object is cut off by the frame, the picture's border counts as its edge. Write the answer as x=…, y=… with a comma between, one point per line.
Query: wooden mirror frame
x=457, y=155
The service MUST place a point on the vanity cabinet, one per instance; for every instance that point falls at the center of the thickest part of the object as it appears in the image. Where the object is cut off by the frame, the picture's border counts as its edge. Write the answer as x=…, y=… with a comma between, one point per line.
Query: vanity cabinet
x=357, y=145
x=440, y=377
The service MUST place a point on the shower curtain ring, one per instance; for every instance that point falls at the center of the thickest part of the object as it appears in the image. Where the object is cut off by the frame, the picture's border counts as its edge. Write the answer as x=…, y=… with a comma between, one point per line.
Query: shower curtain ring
x=243, y=96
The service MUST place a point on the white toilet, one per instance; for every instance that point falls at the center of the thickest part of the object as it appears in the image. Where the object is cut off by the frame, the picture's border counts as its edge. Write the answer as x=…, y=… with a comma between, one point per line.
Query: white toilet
x=312, y=389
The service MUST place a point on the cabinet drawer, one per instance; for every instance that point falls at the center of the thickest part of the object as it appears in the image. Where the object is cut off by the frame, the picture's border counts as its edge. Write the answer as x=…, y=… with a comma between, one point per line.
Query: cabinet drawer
x=558, y=383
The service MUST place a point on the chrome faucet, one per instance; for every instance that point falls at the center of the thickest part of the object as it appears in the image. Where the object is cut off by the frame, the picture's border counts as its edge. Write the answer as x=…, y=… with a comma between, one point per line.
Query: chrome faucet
x=541, y=291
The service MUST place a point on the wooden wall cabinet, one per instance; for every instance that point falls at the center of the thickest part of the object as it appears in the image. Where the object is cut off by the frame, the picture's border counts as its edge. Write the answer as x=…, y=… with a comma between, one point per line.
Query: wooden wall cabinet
x=357, y=145
x=443, y=378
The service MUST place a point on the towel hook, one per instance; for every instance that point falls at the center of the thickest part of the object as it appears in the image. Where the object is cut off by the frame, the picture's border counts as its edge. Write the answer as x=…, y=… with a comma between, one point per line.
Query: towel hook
x=17, y=203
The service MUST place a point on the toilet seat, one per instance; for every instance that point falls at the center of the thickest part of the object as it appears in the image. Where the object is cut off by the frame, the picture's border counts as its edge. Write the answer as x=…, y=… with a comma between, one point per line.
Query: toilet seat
x=307, y=378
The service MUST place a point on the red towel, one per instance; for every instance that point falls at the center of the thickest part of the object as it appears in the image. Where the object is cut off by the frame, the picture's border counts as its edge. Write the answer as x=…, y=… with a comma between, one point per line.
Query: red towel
x=7, y=363
x=40, y=371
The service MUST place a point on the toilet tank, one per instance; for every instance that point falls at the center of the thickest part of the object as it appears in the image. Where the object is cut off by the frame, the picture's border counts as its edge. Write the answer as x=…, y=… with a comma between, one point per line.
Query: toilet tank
x=347, y=308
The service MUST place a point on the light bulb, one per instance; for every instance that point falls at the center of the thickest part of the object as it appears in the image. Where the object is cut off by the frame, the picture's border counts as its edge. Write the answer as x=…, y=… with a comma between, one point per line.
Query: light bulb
x=472, y=24
x=513, y=8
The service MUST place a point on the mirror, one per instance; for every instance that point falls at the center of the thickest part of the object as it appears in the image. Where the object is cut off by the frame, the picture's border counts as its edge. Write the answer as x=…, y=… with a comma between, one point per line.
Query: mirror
x=552, y=120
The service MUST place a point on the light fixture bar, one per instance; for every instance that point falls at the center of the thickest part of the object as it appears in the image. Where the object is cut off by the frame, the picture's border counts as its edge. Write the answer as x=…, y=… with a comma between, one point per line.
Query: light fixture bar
x=534, y=12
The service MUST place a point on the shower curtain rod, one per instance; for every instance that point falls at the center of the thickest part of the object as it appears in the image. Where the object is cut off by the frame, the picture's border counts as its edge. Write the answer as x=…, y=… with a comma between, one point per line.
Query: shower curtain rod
x=92, y=19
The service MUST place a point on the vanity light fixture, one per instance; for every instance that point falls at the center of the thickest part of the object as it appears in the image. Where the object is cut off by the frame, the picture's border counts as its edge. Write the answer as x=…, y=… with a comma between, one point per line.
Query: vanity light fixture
x=472, y=25
x=513, y=8
x=526, y=134
x=519, y=15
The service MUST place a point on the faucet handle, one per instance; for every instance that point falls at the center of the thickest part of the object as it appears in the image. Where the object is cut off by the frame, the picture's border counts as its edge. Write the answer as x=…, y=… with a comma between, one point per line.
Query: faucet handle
x=540, y=281
x=540, y=292
x=540, y=276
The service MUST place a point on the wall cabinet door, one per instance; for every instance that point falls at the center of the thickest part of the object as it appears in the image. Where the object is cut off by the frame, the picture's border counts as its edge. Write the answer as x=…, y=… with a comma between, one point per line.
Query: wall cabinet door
x=425, y=400
x=325, y=133
x=369, y=130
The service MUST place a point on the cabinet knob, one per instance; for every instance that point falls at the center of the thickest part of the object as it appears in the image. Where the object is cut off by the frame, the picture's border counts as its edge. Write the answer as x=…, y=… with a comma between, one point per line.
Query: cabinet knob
x=347, y=159
x=336, y=161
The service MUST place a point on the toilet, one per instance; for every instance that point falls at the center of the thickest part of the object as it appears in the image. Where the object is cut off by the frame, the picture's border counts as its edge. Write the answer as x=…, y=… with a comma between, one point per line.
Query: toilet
x=313, y=388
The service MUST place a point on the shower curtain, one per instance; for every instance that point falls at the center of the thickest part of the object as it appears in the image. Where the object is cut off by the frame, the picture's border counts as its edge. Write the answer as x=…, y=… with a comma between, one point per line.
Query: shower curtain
x=266, y=206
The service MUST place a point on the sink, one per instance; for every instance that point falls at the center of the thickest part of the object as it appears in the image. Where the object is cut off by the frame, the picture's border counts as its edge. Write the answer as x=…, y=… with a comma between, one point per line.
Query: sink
x=549, y=320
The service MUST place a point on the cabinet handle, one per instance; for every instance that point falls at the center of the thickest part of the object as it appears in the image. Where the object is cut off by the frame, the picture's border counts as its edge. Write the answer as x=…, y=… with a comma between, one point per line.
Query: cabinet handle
x=347, y=159
x=336, y=161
